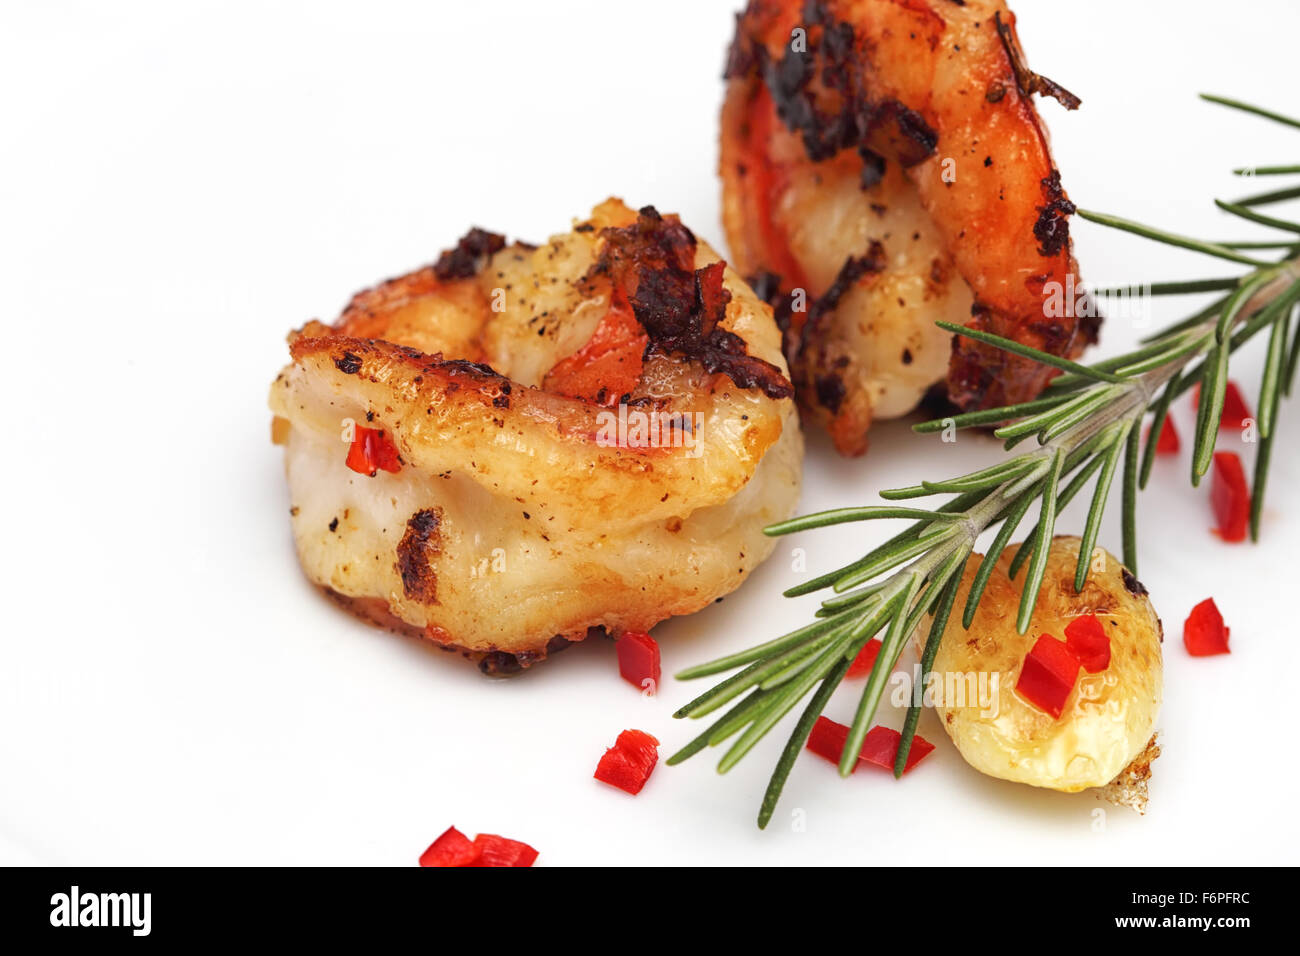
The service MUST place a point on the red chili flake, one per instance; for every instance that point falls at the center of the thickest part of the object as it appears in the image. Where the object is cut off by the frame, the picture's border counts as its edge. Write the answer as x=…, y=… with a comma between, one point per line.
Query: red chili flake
x=638, y=660
x=865, y=660
x=496, y=850
x=629, y=763
x=1230, y=496
x=1087, y=640
x=880, y=747
x=371, y=450
x=1203, y=632
x=1048, y=675
x=1235, y=410
x=1167, y=441
x=453, y=848
x=827, y=739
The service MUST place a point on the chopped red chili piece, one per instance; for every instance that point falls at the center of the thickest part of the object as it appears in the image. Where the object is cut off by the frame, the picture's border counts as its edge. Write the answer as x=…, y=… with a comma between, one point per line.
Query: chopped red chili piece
x=641, y=748
x=1203, y=632
x=880, y=747
x=629, y=763
x=371, y=450
x=1230, y=496
x=453, y=848
x=865, y=660
x=1167, y=441
x=1235, y=410
x=827, y=739
x=638, y=660
x=496, y=850
x=1048, y=675
x=1087, y=640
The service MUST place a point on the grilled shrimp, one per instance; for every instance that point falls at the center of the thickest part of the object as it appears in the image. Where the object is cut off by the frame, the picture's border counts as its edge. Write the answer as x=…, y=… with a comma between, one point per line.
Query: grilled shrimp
x=883, y=167
x=518, y=444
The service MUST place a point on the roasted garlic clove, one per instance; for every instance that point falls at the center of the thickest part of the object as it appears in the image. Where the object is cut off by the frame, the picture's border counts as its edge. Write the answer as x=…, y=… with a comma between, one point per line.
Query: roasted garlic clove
x=1109, y=716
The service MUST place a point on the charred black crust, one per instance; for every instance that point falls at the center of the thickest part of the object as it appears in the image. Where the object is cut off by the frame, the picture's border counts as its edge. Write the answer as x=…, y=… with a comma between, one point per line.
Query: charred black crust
x=499, y=664
x=740, y=54
x=477, y=370
x=821, y=93
x=505, y=664
x=854, y=268
x=830, y=391
x=1029, y=81
x=966, y=377
x=348, y=363
x=477, y=377
x=873, y=167
x=681, y=308
x=1052, y=228
x=903, y=131
x=420, y=543
x=1090, y=324
x=1131, y=583
x=469, y=254
x=766, y=285
x=935, y=402
x=480, y=376
x=817, y=372
x=811, y=364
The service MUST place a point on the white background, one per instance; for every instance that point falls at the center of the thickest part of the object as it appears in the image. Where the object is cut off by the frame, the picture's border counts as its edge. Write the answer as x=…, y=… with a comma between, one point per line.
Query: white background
x=180, y=184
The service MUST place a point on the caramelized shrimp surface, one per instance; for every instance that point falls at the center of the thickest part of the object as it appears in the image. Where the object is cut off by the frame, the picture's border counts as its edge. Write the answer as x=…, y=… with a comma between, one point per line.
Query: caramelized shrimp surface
x=883, y=167
x=518, y=444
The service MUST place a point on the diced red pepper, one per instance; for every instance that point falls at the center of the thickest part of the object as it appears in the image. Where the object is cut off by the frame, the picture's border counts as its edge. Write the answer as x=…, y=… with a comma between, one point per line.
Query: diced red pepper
x=642, y=749
x=1048, y=675
x=879, y=747
x=453, y=848
x=610, y=364
x=1167, y=441
x=1088, y=641
x=638, y=660
x=827, y=739
x=865, y=660
x=629, y=763
x=618, y=770
x=371, y=450
x=1235, y=410
x=1204, y=633
x=496, y=850
x=1230, y=496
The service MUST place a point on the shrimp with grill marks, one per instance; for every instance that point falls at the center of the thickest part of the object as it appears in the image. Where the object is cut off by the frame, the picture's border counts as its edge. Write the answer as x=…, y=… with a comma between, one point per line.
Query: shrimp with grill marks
x=518, y=445
x=883, y=167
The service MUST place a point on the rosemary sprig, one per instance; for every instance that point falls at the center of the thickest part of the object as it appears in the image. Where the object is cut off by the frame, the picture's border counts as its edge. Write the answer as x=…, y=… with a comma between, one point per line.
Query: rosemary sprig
x=1087, y=423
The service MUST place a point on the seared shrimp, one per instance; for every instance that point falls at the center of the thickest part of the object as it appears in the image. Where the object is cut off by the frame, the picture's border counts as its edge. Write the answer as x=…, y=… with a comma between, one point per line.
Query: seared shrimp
x=518, y=444
x=883, y=167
